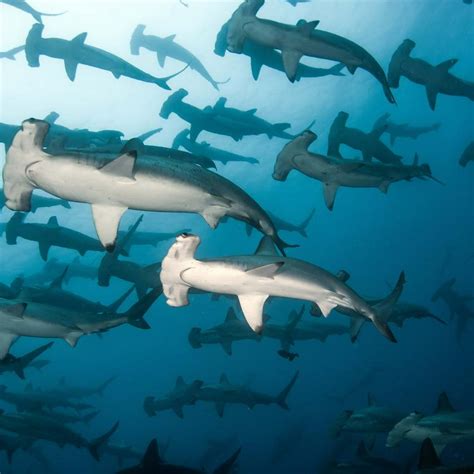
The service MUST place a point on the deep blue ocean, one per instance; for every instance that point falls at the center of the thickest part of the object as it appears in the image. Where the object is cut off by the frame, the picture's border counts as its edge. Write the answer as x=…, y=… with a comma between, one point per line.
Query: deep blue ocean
x=420, y=227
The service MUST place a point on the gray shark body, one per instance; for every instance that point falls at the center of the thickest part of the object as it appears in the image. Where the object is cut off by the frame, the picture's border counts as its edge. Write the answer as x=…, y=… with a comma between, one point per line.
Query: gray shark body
x=226, y=393
x=335, y=172
x=467, y=155
x=436, y=79
x=39, y=320
x=11, y=363
x=39, y=427
x=231, y=330
x=68, y=418
x=220, y=119
x=183, y=394
x=304, y=39
x=369, y=144
x=445, y=426
x=75, y=52
x=25, y=7
x=168, y=48
x=205, y=149
x=50, y=235
x=112, y=187
x=64, y=390
x=402, y=130
x=262, y=56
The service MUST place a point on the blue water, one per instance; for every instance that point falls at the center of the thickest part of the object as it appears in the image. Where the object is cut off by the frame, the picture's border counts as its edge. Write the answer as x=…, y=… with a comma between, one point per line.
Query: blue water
x=421, y=227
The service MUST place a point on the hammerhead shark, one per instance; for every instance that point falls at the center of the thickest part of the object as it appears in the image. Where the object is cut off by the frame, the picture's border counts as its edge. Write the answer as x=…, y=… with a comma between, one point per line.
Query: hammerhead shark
x=436, y=79
x=75, y=52
x=167, y=47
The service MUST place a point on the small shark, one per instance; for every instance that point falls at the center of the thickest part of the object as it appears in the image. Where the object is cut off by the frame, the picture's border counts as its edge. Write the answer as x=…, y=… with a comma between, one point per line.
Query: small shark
x=68, y=418
x=369, y=144
x=402, y=130
x=168, y=48
x=75, y=52
x=467, y=155
x=429, y=462
x=205, y=149
x=153, y=463
x=49, y=235
x=220, y=119
x=11, y=363
x=335, y=172
x=40, y=427
x=45, y=321
x=445, y=426
x=182, y=394
x=112, y=187
x=226, y=393
x=436, y=79
x=231, y=330
x=294, y=42
x=368, y=421
x=25, y=7
x=62, y=389
x=253, y=278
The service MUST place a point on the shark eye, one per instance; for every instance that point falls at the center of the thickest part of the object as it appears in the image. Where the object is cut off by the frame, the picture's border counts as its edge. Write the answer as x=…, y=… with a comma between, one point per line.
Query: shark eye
x=184, y=235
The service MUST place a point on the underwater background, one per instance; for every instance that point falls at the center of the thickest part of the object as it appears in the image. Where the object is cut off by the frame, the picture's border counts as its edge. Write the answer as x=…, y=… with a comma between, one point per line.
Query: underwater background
x=420, y=227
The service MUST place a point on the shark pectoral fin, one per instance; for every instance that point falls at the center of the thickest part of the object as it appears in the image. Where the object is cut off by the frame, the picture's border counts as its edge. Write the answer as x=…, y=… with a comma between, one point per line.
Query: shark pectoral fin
x=256, y=66
x=384, y=186
x=213, y=214
x=116, y=74
x=291, y=60
x=106, y=221
x=330, y=191
x=227, y=346
x=44, y=249
x=220, y=408
x=178, y=409
x=326, y=307
x=431, y=93
x=266, y=271
x=351, y=68
x=161, y=58
x=80, y=38
x=252, y=307
x=6, y=340
x=71, y=68
x=72, y=338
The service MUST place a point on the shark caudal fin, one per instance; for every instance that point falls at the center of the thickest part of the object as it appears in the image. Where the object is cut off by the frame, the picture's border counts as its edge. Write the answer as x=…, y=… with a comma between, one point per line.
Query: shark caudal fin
x=136, y=40
x=95, y=445
x=303, y=226
x=383, y=309
x=136, y=313
x=194, y=338
x=163, y=81
x=283, y=395
x=24, y=361
x=178, y=256
x=227, y=467
x=399, y=56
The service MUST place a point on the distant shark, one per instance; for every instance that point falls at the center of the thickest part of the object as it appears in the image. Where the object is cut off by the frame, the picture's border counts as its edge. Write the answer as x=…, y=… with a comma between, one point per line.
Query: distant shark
x=167, y=47
x=75, y=52
x=25, y=7
x=436, y=79
x=11, y=53
x=253, y=278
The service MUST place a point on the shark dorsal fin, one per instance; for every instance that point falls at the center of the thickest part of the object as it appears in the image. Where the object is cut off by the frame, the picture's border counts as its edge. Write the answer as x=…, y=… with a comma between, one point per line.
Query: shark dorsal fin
x=444, y=404
x=58, y=281
x=371, y=400
x=220, y=104
x=224, y=380
x=170, y=38
x=445, y=66
x=180, y=382
x=306, y=27
x=80, y=38
x=151, y=460
x=53, y=222
x=343, y=275
x=428, y=457
x=231, y=316
x=265, y=271
x=123, y=166
x=266, y=247
x=251, y=111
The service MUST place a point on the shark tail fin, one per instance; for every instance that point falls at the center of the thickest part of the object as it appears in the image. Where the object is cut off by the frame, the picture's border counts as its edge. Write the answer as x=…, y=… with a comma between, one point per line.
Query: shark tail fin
x=27, y=358
x=145, y=136
x=163, y=81
x=136, y=313
x=227, y=467
x=283, y=395
x=137, y=39
x=395, y=66
x=384, y=308
x=303, y=226
x=193, y=338
x=113, y=307
x=95, y=445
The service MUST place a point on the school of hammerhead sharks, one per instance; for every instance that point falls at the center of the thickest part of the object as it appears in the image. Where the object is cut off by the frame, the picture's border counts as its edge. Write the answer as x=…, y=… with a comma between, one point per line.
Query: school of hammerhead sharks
x=112, y=175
